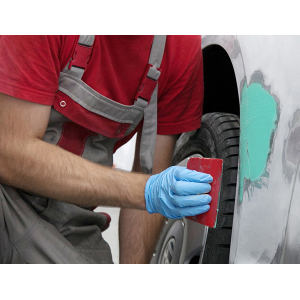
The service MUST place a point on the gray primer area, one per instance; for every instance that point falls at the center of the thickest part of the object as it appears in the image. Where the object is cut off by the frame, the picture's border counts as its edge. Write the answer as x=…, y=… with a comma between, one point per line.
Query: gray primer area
x=291, y=151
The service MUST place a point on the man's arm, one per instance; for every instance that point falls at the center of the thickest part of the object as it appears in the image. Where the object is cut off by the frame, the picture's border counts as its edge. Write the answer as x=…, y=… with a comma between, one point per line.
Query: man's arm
x=29, y=163
x=139, y=231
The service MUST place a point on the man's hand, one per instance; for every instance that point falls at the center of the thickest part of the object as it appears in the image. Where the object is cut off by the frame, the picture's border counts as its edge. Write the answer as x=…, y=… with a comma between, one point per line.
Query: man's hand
x=178, y=192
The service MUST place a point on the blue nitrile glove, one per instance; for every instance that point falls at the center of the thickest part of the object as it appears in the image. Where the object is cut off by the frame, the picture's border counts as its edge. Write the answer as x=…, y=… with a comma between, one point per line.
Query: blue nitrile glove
x=176, y=193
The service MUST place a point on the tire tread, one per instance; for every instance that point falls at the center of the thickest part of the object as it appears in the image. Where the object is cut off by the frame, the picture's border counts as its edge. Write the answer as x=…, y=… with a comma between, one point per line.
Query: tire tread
x=224, y=128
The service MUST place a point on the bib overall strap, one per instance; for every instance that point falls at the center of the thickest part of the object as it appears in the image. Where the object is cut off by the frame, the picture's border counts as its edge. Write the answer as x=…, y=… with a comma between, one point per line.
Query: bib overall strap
x=80, y=57
x=147, y=99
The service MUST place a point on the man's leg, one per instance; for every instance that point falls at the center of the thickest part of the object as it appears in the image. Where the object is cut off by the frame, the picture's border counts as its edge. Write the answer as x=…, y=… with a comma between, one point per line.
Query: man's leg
x=59, y=234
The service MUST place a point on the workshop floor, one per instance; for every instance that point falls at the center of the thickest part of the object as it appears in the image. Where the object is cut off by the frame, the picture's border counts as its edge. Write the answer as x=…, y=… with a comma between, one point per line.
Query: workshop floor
x=123, y=159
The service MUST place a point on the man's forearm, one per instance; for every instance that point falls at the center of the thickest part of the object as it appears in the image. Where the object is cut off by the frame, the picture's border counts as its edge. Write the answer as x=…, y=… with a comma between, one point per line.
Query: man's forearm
x=139, y=231
x=138, y=235
x=50, y=171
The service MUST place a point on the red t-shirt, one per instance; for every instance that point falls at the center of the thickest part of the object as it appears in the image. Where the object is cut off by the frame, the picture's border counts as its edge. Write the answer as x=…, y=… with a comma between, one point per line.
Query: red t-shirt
x=30, y=68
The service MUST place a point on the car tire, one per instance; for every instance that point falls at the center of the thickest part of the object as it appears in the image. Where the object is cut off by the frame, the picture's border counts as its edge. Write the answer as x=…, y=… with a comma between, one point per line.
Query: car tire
x=218, y=137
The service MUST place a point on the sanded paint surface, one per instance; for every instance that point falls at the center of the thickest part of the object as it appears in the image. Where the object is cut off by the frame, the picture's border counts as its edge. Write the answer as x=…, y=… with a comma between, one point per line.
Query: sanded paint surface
x=259, y=118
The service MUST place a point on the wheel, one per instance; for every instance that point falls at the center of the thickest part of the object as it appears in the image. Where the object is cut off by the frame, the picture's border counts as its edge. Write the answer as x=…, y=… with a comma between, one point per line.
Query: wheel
x=184, y=241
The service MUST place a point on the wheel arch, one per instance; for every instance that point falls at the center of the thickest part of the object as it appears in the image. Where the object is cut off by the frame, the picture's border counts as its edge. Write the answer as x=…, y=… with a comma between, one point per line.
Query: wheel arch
x=224, y=74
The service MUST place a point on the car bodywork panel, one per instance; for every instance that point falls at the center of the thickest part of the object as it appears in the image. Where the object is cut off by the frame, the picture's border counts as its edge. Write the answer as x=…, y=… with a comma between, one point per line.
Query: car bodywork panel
x=266, y=228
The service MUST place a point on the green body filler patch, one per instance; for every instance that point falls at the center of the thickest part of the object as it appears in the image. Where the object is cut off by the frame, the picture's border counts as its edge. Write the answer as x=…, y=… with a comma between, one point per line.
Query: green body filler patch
x=259, y=118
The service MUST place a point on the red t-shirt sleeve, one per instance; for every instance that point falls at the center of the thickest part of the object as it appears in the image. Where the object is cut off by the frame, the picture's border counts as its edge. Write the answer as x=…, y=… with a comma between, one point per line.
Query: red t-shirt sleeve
x=30, y=67
x=181, y=102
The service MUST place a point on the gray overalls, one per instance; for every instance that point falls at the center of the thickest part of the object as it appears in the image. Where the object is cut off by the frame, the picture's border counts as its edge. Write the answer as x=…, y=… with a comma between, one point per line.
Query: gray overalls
x=34, y=229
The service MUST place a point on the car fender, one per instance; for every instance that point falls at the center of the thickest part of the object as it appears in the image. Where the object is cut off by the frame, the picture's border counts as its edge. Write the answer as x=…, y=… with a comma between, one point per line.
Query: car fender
x=267, y=73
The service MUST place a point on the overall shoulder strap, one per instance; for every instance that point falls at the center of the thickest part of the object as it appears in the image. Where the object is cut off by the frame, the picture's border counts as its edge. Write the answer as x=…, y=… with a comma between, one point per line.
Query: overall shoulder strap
x=147, y=99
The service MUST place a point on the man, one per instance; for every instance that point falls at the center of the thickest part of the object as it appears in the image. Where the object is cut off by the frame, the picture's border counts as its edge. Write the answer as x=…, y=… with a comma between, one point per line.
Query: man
x=54, y=143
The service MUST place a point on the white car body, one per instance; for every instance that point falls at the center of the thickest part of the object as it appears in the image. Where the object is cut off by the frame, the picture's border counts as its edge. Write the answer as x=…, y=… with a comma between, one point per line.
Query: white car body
x=266, y=224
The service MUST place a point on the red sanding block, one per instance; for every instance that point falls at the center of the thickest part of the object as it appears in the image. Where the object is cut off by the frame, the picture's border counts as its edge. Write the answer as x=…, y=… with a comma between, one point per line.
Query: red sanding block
x=214, y=167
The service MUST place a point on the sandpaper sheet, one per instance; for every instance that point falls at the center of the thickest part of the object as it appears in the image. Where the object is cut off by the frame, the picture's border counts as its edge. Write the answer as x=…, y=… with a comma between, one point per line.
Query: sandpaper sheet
x=214, y=167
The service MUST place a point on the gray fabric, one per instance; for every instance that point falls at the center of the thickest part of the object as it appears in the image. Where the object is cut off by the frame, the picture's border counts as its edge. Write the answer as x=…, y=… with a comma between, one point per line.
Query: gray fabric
x=74, y=71
x=32, y=231
x=153, y=73
x=54, y=128
x=88, y=98
x=141, y=103
x=148, y=140
x=99, y=149
x=157, y=50
x=86, y=40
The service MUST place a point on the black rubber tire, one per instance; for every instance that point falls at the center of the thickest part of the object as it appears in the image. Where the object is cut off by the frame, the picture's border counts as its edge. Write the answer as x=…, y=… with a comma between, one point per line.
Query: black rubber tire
x=218, y=137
